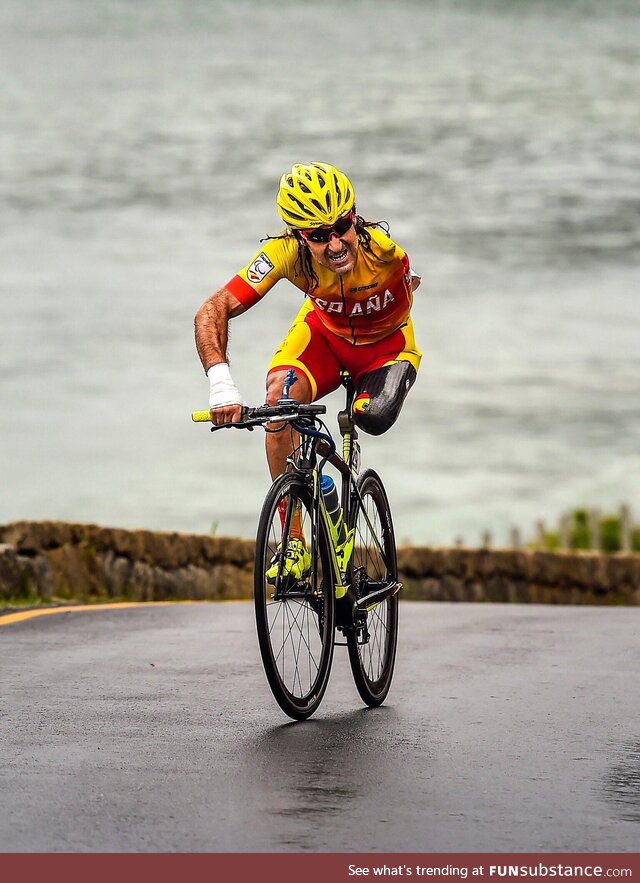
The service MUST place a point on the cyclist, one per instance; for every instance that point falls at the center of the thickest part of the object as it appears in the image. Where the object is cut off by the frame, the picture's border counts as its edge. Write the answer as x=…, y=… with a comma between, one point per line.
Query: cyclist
x=358, y=288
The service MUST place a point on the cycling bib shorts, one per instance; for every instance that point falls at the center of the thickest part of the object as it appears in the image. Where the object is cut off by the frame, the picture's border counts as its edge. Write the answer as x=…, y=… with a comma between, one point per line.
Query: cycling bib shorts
x=321, y=355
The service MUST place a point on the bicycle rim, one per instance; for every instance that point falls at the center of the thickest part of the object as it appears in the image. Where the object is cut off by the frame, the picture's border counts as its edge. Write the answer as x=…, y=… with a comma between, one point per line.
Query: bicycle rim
x=372, y=646
x=294, y=615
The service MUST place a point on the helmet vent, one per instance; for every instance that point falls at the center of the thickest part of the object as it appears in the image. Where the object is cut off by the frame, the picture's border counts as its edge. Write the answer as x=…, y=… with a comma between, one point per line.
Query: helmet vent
x=314, y=194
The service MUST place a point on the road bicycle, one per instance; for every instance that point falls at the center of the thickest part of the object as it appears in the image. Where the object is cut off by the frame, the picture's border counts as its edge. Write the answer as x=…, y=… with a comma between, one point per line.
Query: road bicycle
x=348, y=587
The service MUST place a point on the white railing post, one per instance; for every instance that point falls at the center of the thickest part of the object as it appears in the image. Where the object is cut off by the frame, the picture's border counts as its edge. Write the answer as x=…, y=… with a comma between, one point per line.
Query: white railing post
x=595, y=539
x=564, y=532
x=625, y=528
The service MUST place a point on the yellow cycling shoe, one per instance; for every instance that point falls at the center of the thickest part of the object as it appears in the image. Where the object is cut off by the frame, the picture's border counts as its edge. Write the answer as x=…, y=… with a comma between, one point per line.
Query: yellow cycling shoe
x=296, y=564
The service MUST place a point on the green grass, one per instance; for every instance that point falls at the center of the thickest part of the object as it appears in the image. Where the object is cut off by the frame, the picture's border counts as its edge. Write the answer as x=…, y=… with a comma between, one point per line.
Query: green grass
x=580, y=534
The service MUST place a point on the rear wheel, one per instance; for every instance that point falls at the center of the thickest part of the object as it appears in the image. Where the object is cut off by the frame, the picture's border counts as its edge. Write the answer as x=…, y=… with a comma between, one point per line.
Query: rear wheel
x=294, y=598
x=372, y=643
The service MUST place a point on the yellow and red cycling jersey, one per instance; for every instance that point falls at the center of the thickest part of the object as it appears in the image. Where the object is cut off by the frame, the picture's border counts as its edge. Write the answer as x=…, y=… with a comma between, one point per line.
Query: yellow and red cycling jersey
x=363, y=306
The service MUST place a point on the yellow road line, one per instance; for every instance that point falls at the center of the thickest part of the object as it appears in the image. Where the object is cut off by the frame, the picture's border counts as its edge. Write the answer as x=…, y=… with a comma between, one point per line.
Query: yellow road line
x=75, y=608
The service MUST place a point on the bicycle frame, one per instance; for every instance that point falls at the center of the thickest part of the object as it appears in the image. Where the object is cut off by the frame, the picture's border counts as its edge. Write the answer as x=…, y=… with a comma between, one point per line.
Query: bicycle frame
x=304, y=460
x=312, y=452
x=304, y=592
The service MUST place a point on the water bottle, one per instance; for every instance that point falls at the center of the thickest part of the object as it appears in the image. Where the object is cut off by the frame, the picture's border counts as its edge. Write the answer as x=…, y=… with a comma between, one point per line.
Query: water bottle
x=334, y=510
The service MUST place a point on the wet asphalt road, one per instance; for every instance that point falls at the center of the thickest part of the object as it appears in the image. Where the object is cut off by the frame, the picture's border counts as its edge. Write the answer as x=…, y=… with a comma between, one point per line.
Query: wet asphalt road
x=507, y=729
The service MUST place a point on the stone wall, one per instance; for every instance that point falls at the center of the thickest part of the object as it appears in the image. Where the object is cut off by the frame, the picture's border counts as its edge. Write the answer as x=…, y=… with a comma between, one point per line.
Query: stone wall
x=84, y=562
x=57, y=561
x=523, y=576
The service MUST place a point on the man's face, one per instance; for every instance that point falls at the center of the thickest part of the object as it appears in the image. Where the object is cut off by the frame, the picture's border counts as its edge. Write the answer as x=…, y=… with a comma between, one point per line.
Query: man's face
x=339, y=253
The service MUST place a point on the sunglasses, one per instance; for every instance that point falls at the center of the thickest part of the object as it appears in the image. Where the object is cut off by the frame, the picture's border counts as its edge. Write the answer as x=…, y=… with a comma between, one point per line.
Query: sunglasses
x=324, y=234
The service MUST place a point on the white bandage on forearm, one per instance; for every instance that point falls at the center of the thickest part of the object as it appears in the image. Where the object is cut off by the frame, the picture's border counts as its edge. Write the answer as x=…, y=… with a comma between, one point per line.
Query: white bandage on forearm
x=222, y=389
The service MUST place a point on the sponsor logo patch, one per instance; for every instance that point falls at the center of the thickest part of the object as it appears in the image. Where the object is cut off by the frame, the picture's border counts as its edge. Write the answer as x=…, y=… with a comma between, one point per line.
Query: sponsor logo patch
x=365, y=287
x=361, y=403
x=260, y=268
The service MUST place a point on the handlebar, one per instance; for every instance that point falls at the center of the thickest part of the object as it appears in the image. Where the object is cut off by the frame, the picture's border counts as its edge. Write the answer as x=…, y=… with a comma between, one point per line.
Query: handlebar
x=302, y=416
x=284, y=412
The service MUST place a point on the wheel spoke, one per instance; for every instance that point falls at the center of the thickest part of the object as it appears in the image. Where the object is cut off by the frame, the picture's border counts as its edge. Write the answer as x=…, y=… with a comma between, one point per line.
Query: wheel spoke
x=295, y=630
x=294, y=602
x=373, y=562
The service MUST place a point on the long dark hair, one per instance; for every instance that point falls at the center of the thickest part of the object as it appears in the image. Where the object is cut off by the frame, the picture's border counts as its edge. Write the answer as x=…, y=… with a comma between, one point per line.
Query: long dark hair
x=304, y=263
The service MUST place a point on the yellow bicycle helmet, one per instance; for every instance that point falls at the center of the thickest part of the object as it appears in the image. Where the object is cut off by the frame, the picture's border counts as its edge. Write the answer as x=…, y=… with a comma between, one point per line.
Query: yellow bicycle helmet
x=314, y=195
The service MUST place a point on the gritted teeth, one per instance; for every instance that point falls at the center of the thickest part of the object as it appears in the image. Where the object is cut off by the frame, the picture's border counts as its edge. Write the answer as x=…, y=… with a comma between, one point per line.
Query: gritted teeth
x=340, y=256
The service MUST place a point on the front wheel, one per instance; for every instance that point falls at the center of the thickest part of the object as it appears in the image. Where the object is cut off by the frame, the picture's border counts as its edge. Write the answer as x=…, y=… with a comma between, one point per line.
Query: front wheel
x=372, y=643
x=294, y=597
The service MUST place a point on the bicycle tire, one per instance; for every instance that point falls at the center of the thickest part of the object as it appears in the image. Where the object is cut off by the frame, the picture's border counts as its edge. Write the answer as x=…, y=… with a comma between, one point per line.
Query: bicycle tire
x=295, y=619
x=373, y=662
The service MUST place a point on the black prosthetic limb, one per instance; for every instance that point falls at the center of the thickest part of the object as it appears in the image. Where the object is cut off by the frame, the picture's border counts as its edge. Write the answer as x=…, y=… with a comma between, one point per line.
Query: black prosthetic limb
x=380, y=395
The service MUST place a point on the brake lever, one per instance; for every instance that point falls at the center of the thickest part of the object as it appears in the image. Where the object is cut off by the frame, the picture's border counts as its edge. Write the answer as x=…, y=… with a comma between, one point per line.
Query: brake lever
x=250, y=426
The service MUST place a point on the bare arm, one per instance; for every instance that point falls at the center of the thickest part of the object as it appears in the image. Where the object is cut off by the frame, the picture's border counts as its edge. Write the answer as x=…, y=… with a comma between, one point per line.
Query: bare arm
x=212, y=335
x=212, y=327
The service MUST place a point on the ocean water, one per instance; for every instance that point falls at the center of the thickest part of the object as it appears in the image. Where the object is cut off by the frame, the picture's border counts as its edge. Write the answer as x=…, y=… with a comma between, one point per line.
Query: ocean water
x=140, y=148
